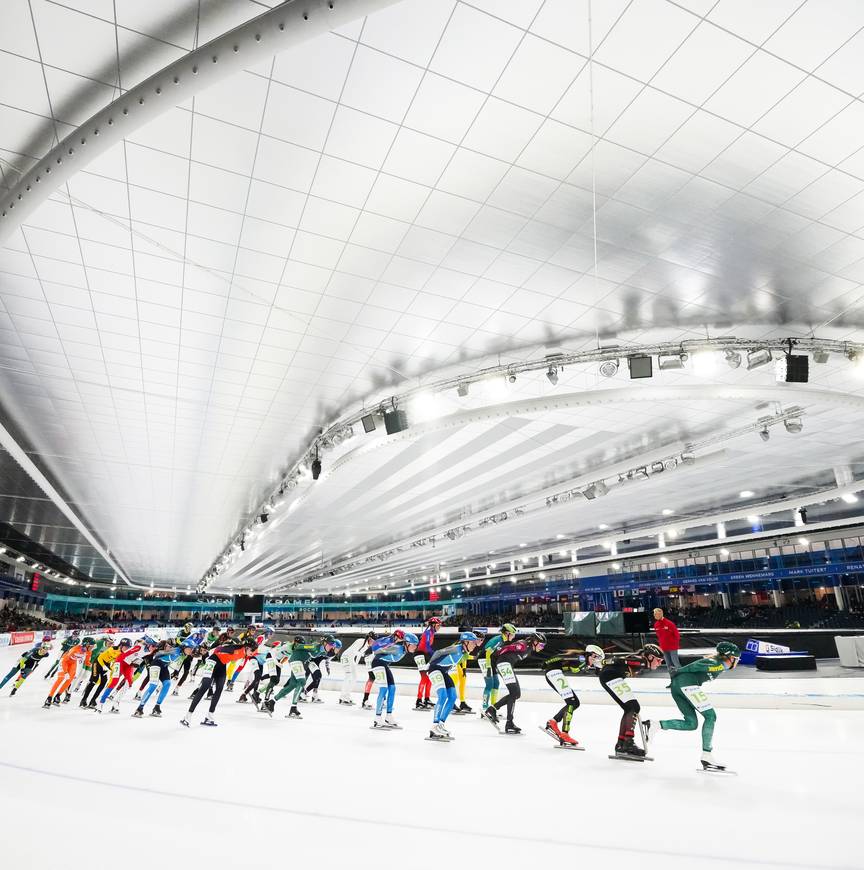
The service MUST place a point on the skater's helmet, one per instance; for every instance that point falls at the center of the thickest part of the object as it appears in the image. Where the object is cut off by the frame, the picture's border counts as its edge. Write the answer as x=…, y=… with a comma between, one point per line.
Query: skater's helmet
x=75, y=632
x=727, y=649
x=370, y=635
x=251, y=643
x=535, y=638
x=46, y=644
x=125, y=643
x=188, y=627
x=88, y=641
x=593, y=650
x=398, y=634
x=651, y=649
x=434, y=621
x=149, y=641
x=411, y=638
x=333, y=641
x=467, y=636
x=298, y=638
x=508, y=628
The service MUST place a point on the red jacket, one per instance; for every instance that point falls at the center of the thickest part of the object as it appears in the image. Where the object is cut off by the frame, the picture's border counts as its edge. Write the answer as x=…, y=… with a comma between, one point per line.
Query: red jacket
x=668, y=636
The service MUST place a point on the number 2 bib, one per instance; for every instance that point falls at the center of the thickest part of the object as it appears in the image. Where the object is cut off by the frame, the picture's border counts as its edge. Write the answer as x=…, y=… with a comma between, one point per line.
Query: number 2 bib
x=560, y=683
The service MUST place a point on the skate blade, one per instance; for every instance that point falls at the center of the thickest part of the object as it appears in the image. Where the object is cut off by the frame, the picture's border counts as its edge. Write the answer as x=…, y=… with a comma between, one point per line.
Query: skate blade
x=382, y=728
x=617, y=757
x=570, y=746
x=714, y=772
x=439, y=739
x=511, y=734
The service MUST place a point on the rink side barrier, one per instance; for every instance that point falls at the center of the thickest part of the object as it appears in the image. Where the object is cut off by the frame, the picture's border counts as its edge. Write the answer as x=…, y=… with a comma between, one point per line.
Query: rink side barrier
x=32, y=637
x=801, y=694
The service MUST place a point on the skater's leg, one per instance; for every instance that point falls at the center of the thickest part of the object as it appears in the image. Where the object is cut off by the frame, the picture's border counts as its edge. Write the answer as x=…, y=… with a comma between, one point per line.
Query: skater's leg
x=199, y=693
x=219, y=676
x=688, y=711
x=708, y=729
x=11, y=674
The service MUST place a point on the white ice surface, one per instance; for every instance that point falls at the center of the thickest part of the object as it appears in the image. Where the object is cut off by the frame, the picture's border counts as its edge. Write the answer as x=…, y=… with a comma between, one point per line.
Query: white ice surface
x=80, y=787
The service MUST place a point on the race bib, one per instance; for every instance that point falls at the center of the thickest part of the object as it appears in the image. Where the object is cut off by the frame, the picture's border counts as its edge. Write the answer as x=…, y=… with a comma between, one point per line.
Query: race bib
x=484, y=667
x=115, y=670
x=437, y=680
x=420, y=661
x=505, y=671
x=268, y=668
x=153, y=672
x=297, y=670
x=207, y=669
x=697, y=698
x=380, y=674
x=621, y=688
x=313, y=668
x=559, y=682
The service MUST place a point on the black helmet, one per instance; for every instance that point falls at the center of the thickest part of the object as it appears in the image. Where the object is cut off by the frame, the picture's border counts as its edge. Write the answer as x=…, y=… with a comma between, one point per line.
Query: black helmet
x=250, y=643
x=536, y=637
x=651, y=649
x=298, y=638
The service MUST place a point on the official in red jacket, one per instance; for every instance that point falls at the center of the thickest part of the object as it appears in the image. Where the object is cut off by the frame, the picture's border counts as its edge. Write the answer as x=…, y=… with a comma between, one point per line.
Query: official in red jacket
x=668, y=639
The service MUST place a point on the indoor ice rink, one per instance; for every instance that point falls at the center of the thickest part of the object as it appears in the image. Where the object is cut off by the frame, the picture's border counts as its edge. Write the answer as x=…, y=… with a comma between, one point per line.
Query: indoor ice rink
x=430, y=432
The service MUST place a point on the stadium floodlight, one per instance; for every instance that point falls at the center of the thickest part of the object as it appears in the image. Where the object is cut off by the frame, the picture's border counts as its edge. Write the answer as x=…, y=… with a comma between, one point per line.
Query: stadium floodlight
x=793, y=425
x=669, y=362
x=757, y=358
x=733, y=359
x=609, y=368
x=552, y=375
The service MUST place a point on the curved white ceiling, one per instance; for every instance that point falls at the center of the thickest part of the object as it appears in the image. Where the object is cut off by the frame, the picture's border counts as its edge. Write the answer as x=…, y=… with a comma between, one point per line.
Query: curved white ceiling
x=431, y=184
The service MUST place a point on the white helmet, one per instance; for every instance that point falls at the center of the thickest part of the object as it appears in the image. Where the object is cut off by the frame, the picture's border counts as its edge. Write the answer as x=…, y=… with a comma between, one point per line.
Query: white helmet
x=593, y=650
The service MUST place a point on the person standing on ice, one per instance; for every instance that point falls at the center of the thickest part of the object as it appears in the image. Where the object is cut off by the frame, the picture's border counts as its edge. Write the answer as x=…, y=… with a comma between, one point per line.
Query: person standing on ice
x=668, y=639
x=27, y=664
x=65, y=646
x=350, y=658
x=68, y=668
x=213, y=674
x=555, y=669
x=300, y=653
x=440, y=666
x=159, y=671
x=425, y=648
x=688, y=695
x=327, y=649
x=385, y=652
x=491, y=680
x=614, y=674
x=503, y=660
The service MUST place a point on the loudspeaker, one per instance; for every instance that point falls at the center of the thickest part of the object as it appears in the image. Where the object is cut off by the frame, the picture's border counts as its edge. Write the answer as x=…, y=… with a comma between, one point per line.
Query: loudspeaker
x=395, y=421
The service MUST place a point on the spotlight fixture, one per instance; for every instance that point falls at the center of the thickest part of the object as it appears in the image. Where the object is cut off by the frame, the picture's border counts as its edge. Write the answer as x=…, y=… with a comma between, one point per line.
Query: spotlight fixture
x=368, y=423
x=462, y=390
x=316, y=467
x=552, y=375
x=764, y=434
x=820, y=356
x=733, y=359
x=640, y=366
x=595, y=490
x=511, y=378
x=793, y=425
x=609, y=368
x=757, y=358
x=671, y=361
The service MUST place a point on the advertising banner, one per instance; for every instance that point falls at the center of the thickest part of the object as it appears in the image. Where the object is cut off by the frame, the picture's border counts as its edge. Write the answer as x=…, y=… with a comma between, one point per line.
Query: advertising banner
x=22, y=637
